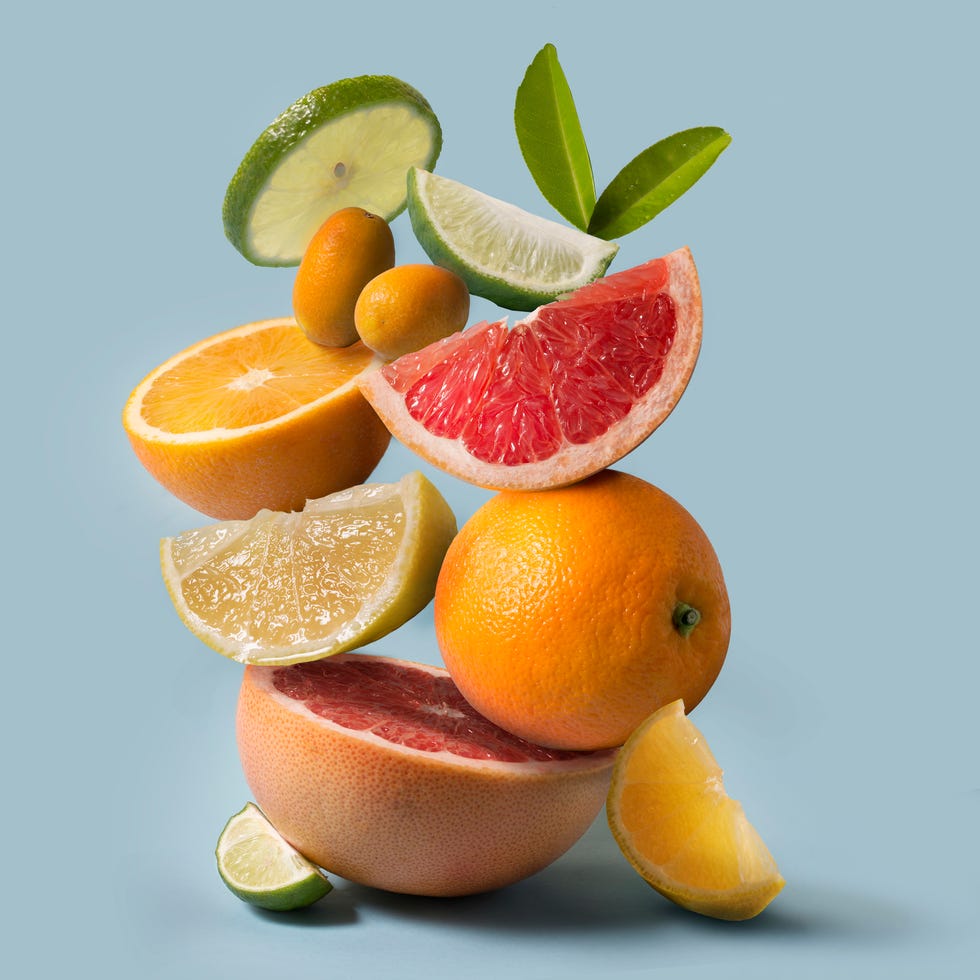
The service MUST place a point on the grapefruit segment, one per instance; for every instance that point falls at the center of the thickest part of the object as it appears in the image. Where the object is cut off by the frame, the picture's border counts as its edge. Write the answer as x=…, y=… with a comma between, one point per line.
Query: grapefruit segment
x=568, y=391
x=379, y=771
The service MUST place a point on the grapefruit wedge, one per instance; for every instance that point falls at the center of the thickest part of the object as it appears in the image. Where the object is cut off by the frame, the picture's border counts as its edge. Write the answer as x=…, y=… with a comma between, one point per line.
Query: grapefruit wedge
x=568, y=391
x=379, y=771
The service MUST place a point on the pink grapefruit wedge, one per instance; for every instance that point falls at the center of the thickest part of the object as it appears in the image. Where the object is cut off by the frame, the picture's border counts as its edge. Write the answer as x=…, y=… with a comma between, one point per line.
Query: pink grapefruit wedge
x=568, y=391
x=378, y=771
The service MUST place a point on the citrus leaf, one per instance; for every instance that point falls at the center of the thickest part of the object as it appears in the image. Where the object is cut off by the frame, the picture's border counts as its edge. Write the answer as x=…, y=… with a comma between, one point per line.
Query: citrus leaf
x=551, y=139
x=654, y=179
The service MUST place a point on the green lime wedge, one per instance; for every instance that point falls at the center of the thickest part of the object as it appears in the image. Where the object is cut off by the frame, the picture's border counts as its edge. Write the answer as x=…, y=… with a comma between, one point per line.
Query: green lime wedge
x=262, y=868
x=348, y=144
x=502, y=253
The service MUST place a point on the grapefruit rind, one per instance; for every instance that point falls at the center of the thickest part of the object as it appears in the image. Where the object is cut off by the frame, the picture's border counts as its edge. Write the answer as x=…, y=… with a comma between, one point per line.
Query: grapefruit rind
x=761, y=881
x=405, y=820
x=409, y=584
x=572, y=462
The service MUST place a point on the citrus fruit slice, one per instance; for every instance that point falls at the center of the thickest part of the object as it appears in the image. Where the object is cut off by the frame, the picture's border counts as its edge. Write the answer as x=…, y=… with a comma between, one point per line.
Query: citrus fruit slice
x=261, y=868
x=672, y=818
x=257, y=416
x=379, y=771
x=285, y=588
x=501, y=252
x=348, y=144
x=571, y=389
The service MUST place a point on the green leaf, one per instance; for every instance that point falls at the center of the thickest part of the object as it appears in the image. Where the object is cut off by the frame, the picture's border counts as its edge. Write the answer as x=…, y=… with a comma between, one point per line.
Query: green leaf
x=551, y=139
x=654, y=179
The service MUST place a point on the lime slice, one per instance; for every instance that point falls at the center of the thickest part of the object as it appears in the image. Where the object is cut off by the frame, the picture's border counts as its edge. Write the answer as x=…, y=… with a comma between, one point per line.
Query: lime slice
x=264, y=869
x=502, y=253
x=286, y=588
x=348, y=144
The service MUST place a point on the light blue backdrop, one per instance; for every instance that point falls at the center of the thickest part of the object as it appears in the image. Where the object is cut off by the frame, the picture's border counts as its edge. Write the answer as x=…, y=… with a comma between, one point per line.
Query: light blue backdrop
x=827, y=444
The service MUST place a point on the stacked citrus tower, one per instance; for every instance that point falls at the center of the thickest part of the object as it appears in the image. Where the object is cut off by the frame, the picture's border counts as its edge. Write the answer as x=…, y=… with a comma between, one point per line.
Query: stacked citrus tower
x=580, y=613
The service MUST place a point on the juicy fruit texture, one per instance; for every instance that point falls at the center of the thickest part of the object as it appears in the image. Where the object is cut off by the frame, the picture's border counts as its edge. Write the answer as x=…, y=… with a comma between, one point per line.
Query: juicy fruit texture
x=502, y=253
x=285, y=588
x=409, y=307
x=569, y=391
x=351, y=247
x=379, y=771
x=670, y=814
x=261, y=868
x=559, y=614
x=256, y=417
x=348, y=144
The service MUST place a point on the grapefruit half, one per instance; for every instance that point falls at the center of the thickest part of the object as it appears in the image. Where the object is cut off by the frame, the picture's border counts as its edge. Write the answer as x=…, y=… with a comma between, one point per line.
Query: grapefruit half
x=568, y=391
x=379, y=771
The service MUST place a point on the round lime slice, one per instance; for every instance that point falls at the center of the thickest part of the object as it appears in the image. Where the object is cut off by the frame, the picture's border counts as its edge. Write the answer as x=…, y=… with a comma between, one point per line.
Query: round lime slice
x=262, y=868
x=501, y=252
x=348, y=144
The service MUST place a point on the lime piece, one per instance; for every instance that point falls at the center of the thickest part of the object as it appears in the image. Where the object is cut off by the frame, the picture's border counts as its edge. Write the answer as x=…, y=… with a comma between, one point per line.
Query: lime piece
x=285, y=588
x=262, y=868
x=501, y=252
x=348, y=144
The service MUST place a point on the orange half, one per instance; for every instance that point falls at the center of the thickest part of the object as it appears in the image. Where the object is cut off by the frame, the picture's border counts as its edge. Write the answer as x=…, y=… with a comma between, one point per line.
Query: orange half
x=669, y=812
x=256, y=417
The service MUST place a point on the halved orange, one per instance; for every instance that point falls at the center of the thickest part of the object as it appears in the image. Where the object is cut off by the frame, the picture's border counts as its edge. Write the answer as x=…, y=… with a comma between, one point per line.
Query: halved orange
x=669, y=812
x=257, y=417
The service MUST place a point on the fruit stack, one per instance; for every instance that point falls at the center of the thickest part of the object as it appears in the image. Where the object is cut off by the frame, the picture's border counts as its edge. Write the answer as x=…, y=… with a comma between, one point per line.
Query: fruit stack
x=580, y=613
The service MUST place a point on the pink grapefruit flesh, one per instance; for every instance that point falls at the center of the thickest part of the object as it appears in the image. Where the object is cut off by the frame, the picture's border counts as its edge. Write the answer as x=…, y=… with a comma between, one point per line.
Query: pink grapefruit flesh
x=379, y=771
x=568, y=391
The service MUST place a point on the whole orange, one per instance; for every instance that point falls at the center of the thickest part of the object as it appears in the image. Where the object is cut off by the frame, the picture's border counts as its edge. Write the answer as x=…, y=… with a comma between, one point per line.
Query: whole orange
x=409, y=307
x=568, y=616
x=350, y=248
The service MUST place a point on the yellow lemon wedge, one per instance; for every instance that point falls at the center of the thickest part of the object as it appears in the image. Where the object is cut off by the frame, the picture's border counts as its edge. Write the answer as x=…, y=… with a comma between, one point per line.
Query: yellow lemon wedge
x=285, y=588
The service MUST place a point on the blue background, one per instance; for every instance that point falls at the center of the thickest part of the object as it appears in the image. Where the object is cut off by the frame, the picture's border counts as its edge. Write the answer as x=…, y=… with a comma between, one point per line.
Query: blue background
x=827, y=443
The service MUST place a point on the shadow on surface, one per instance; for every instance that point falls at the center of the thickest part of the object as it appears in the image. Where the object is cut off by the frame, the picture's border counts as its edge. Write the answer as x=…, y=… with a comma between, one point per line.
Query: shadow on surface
x=337, y=908
x=592, y=890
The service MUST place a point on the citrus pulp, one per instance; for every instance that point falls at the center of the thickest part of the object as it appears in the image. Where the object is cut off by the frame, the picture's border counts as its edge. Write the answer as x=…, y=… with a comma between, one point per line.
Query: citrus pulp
x=283, y=588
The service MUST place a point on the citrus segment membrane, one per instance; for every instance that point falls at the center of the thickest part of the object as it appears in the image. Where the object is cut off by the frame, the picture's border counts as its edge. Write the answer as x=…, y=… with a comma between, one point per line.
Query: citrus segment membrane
x=569, y=390
x=406, y=706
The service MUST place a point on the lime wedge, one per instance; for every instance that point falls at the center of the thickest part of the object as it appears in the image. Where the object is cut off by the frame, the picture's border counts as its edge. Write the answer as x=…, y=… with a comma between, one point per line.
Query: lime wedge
x=502, y=253
x=262, y=868
x=348, y=144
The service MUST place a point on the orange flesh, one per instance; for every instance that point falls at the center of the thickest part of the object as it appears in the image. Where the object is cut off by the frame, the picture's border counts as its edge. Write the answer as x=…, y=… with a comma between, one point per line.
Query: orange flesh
x=248, y=380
